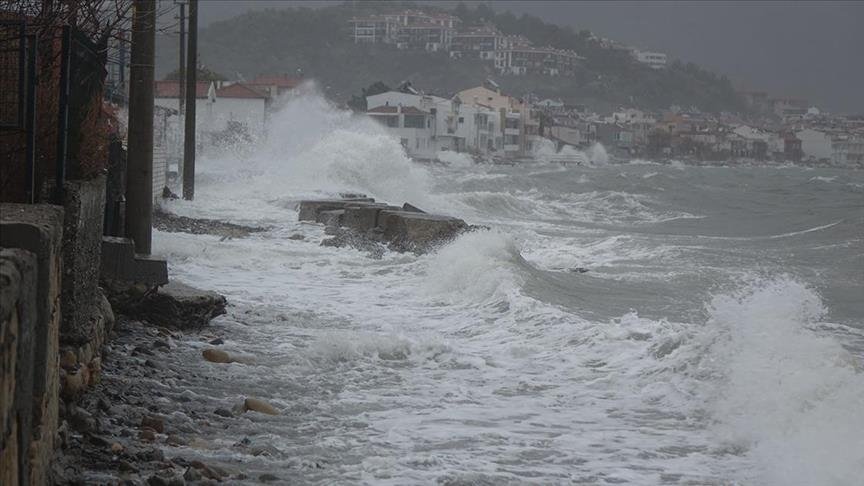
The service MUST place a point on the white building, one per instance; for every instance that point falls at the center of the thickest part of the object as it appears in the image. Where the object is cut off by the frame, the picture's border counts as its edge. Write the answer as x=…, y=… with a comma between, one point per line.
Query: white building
x=454, y=125
x=655, y=60
x=219, y=108
x=849, y=152
x=815, y=144
x=411, y=125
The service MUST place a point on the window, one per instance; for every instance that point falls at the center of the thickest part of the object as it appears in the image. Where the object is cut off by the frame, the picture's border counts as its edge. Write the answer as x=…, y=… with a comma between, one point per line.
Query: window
x=512, y=123
x=388, y=121
x=461, y=119
x=511, y=140
x=404, y=142
x=415, y=121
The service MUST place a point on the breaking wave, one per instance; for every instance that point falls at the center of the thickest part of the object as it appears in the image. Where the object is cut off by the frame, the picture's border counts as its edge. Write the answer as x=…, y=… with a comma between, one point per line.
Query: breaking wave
x=314, y=148
x=788, y=395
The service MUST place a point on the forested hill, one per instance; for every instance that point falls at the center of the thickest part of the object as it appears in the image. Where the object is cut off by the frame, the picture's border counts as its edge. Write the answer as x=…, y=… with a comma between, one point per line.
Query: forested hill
x=318, y=44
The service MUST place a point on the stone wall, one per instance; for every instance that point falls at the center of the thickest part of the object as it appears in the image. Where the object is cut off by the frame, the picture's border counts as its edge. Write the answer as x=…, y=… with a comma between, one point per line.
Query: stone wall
x=17, y=311
x=37, y=229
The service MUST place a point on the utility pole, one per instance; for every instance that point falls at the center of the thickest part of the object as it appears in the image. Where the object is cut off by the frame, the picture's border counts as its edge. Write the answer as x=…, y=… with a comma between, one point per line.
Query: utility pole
x=139, y=184
x=191, y=97
x=182, y=71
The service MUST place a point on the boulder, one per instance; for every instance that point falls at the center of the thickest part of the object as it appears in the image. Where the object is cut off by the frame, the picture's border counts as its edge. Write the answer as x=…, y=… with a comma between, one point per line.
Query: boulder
x=154, y=423
x=260, y=406
x=216, y=356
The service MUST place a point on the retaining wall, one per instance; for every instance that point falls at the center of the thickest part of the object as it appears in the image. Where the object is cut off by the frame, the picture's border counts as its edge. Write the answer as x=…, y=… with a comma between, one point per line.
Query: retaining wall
x=37, y=230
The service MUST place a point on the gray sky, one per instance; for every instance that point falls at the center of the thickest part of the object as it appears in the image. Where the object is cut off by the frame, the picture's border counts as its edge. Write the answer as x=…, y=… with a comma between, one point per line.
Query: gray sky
x=809, y=49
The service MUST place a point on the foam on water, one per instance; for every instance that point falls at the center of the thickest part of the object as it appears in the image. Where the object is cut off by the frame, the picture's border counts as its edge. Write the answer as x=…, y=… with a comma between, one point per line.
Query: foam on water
x=458, y=365
x=790, y=396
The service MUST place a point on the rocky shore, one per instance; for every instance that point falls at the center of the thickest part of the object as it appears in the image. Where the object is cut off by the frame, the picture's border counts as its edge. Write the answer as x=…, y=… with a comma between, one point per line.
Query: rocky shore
x=142, y=424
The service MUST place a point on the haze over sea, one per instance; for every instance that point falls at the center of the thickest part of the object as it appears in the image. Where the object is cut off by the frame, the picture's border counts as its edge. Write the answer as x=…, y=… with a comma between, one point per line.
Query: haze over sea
x=716, y=338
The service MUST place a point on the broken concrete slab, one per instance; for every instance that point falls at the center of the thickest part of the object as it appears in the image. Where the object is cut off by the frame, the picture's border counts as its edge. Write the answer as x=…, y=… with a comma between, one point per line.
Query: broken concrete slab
x=419, y=232
x=309, y=209
x=330, y=218
x=175, y=305
x=364, y=217
x=412, y=208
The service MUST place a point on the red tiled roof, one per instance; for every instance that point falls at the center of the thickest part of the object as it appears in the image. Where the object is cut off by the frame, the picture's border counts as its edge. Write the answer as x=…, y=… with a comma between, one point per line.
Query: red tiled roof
x=239, y=90
x=171, y=89
x=279, y=80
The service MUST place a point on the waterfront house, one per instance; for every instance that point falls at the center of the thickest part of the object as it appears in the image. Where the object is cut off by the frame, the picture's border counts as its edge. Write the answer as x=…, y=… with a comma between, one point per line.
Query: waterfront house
x=411, y=125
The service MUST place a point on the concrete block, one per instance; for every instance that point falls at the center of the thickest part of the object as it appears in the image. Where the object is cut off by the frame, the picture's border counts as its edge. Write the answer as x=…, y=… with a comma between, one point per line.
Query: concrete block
x=363, y=217
x=84, y=204
x=117, y=257
x=411, y=208
x=330, y=218
x=418, y=231
x=309, y=209
x=120, y=262
x=150, y=270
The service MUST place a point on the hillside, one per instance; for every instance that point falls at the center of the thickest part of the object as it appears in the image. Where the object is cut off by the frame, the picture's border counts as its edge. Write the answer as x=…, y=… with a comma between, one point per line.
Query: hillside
x=317, y=43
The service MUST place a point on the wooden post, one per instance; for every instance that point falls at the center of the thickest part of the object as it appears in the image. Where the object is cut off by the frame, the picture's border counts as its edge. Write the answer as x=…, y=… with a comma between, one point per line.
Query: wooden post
x=139, y=185
x=191, y=97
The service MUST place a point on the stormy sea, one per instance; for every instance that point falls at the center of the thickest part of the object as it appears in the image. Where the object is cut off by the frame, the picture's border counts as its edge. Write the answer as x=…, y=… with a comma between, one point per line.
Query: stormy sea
x=629, y=323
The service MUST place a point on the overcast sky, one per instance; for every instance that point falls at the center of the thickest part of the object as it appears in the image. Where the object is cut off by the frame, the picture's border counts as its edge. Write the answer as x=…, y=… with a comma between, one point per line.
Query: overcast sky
x=809, y=49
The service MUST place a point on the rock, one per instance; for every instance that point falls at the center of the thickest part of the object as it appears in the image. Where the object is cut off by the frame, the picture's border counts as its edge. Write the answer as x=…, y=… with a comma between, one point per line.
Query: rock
x=260, y=406
x=297, y=237
x=223, y=412
x=80, y=419
x=98, y=441
x=152, y=364
x=68, y=360
x=108, y=316
x=154, y=423
x=142, y=350
x=159, y=343
x=176, y=441
x=124, y=466
x=116, y=448
x=72, y=383
x=216, y=356
x=156, y=480
x=266, y=478
x=147, y=434
x=217, y=342
x=192, y=474
x=208, y=472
